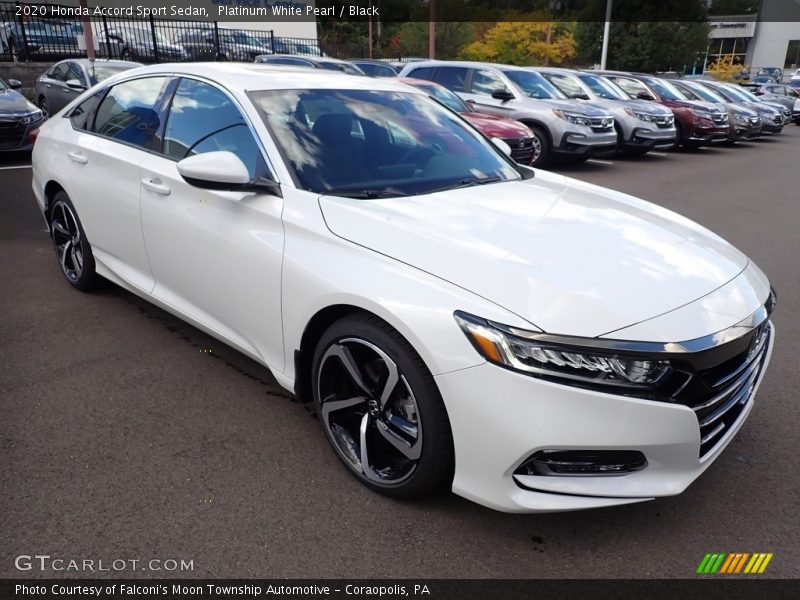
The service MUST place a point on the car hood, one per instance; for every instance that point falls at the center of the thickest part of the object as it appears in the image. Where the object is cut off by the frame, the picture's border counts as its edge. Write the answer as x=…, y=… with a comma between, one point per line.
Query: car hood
x=698, y=105
x=12, y=102
x=644, y=106
x=576, y=106
x=495, y=126
x=569, y=257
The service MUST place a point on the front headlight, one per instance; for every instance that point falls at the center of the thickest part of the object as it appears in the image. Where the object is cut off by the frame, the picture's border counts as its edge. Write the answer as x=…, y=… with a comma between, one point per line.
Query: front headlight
x=575, y=118
x=741, y=118
x=535, y=354
x=641, y=116
x=32, y=117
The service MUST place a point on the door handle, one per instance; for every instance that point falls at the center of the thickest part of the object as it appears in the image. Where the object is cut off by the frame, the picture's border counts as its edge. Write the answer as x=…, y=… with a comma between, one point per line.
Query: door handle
x=49, y=85
x=79, y=158
x=155, y=185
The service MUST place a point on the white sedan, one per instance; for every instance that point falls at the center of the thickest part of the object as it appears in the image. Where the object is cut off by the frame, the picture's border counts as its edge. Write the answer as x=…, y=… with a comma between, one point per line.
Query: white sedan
x=533, y=342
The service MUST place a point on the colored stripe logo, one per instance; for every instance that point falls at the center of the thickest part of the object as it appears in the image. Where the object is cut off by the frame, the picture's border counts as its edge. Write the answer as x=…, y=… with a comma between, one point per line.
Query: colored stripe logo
x=732, y=563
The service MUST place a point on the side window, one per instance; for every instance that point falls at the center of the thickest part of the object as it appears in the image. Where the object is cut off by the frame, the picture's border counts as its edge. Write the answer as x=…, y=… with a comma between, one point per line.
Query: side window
x=81, y=114
x=129, y=112
x=59, y=73
x=422, y=73
x=203, y=119
x=565, y=84
x=485, y=82
x=75, y=72
x=631, y=86
x=453, y=78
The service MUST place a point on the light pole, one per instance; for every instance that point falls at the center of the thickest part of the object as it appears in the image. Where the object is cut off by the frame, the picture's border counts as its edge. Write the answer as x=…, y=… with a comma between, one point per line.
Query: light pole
x=606, y=31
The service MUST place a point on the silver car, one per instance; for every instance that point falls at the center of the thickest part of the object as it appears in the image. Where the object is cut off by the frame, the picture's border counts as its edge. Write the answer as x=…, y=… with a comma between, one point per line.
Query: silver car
x=560, y=126
x=66, y=80
x=640, y=125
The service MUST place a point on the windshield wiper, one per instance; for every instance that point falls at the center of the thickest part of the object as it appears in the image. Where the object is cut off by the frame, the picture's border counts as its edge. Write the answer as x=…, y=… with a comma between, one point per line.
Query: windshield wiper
x=466, y=182
x=364, y=194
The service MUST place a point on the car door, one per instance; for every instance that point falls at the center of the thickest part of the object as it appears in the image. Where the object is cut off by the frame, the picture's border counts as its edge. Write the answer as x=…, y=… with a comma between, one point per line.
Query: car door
x=482, y=84
x=68, y=94
x=54, y=85
x=216, y=255
x=114, y=134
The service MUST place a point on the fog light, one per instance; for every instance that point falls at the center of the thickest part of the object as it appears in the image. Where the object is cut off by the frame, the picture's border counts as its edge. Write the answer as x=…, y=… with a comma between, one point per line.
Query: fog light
x=592, y=463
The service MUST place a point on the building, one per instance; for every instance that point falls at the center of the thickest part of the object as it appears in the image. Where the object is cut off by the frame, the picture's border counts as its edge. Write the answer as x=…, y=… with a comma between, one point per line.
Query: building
x=755, y=43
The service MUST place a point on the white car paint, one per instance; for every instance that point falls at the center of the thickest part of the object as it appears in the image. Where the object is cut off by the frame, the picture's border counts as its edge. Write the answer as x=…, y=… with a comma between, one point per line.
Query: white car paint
x=549, y=253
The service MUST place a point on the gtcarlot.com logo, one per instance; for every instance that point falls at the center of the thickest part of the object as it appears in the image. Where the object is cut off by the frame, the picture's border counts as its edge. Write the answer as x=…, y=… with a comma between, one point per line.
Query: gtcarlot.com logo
x=734, y=563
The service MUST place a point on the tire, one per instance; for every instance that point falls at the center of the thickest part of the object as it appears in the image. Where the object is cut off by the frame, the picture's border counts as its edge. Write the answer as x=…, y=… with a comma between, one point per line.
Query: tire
x=125, y=54
x=540, y=138
x=44, y=106
x=222, y=58
x=73, y=251
x=371, y=391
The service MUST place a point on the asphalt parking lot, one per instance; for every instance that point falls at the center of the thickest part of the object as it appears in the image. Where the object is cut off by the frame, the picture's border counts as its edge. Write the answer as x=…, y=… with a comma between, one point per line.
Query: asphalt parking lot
x=125, y=433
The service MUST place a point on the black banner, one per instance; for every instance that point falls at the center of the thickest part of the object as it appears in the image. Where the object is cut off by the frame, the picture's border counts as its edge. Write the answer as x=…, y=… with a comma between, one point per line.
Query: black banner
x=710, y=588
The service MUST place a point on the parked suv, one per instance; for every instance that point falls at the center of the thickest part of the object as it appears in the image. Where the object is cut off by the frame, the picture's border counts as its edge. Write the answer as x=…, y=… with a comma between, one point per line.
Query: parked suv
x=774, y=93
x=772, y=116
x=698, y=123
x=640, y=125
x=560, y=126
x=36, y=38
x=745, y=122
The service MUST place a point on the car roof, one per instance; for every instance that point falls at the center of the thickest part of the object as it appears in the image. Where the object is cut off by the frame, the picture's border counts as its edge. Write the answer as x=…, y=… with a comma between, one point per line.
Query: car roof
x=104, y=61
x=260, y=76
x=469, y=64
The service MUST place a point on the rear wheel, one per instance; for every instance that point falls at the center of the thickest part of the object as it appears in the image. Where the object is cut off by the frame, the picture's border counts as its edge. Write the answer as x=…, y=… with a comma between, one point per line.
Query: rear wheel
x=380, y=408
x=44, y=106
x=72, y=249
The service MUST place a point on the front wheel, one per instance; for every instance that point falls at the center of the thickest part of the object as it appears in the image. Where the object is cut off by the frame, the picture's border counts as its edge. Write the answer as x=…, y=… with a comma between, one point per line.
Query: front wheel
x=541, y=148
x=380, y=408
x=72, y=248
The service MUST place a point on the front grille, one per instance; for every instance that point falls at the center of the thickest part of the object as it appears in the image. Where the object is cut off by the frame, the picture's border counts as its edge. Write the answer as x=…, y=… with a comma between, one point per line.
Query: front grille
x=664, y=121
x=521, y=149
x=778, y=120
x=730, y=386
x=720, y=119
x=11, y=131
x=601, y=123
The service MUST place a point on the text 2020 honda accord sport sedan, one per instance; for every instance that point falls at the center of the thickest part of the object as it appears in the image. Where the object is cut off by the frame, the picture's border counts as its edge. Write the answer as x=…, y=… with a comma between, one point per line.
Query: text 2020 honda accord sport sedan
x=534, y=342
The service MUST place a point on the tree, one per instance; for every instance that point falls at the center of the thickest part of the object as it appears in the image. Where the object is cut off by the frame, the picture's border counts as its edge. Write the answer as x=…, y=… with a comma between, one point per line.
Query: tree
x=450, y=38
x=645, y=46
x=524, y=43
x=724, y=68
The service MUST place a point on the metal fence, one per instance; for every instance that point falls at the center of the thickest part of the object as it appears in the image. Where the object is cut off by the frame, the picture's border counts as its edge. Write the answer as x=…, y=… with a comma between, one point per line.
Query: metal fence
x=41, y=32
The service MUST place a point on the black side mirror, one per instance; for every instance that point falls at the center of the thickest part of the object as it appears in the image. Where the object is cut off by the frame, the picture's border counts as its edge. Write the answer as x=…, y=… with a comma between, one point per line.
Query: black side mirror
x=75, y=84
x=644, y=95
x=502, y=94
x=579, y=96
x=14, y=84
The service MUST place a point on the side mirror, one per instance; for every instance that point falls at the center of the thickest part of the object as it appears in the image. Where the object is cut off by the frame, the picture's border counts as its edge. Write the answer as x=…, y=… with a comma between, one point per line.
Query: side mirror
x=74, y=84
x=14, y=84
x=579, y=96
x=502, y=146
x=224, y=171
x=644, y=95
x=502, y=94
x=759, y=92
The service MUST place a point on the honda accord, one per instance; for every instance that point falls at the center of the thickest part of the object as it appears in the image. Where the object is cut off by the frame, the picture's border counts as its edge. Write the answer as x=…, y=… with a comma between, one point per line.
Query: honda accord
x=530, y=341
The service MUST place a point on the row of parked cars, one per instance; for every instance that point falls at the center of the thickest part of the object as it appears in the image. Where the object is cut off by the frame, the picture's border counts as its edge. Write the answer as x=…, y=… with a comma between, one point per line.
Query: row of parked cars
x=542, y=114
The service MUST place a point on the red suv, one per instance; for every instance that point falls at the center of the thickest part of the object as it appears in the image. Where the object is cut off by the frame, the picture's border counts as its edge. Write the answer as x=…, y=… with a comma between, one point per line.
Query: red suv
x=698, y=123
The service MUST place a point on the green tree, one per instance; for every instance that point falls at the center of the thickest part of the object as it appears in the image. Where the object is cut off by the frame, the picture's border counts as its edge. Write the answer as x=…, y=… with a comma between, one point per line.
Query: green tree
x=524, y=43
x=450, y=38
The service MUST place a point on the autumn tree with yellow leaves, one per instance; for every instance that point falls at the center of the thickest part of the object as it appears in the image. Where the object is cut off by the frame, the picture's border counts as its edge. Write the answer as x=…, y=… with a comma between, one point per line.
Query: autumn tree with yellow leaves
x=524, y=43
x=724, y=68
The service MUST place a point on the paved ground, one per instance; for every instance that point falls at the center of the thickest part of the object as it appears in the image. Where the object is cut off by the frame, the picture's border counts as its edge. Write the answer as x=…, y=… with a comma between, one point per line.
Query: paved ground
x=120, y=437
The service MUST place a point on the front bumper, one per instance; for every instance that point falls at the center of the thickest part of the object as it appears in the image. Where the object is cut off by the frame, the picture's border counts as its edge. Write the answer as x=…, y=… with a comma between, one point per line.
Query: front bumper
x=644, y=137
x=583, y=141
x=745, y=131
x=500, y=418
x=710, y=135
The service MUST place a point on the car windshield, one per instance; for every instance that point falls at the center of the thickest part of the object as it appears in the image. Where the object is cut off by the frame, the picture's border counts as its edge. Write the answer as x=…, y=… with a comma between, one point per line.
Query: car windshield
x=735, y=94
x=239, y=37
x=534, y=85
x=341, y=66
x=100, y=73
x=144, y=37
x=374, y=144
x=666, y=90
x=445, y=96
x=604, y=88
x=749, y=96
x=706, y=94
x=3, y=86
